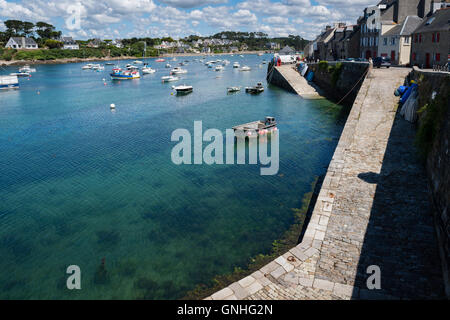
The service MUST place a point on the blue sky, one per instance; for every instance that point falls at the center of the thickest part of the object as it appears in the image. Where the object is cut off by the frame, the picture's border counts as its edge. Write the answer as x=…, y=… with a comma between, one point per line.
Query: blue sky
x=108, y=19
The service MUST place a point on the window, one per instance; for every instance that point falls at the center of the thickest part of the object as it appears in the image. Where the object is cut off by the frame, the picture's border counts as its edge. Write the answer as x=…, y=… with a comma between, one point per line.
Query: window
x=385, y=41
x=376, y=41
x=393, y=41
x=406, y=40
x=438, y=35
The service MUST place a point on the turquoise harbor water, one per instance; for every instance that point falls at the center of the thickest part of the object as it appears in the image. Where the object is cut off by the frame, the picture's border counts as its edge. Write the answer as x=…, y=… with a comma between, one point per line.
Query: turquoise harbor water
x=79, y=183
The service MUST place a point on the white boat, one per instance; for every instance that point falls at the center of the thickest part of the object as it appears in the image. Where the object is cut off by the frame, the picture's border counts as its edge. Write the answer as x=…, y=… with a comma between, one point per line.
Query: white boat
x=260, y=54
x=168, y=65
x=241, y=56
x=20, y=74
x=233, y=89
x=86, y=67
x=236, y=65
x=256, y=89
x=27, y=69
x=169, y=78
x=219, y=68
x=183, y=89
x=225, y=62
x=9, y=82
x=178, y=70
x=138, y=62
x=148, y=70
x=245, y=68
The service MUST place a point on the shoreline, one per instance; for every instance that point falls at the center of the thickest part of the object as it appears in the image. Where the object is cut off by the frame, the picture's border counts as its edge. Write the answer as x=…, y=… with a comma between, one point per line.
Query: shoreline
x=5, y=63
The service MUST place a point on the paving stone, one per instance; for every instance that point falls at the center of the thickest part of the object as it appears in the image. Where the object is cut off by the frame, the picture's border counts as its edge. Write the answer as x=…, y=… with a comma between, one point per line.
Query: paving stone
x=246, y=281
x=222, y=294
x=323, y=284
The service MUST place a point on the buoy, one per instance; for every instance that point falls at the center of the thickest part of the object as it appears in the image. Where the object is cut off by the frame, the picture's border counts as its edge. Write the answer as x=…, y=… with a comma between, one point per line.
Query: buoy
x=38, y=92
x=112, y=106
x=104, y=83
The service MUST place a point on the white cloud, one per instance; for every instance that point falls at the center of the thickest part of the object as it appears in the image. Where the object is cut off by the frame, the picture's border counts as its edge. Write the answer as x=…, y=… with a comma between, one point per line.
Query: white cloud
x=122, y=18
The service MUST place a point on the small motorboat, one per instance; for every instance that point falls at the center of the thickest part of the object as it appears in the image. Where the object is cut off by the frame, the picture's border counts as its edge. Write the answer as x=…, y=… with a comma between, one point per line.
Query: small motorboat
x=20, y=74
x=86, y=67
x=27, y=69
x=9, y=82
x=109, y=63
x=148, y=70
x=236, y=65
x=168, y=65
x=245, y=68
x=169, y=78
x=178, y=70
x=255, y=128
x=233, y=89
x=183, y=89
x=119, y=74
x=219, y=68
x=256, y=89
x=160, y=60
x=138, y=62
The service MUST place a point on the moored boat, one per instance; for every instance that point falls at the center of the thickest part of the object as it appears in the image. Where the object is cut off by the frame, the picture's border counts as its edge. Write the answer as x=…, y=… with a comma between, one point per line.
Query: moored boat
x=20, y=74
x=256, y=89
x=233, y=89
x=119, y=74
x=183, y=89
x=148, y=70
x=178, y=70
x=160, y=60
x=255, y=128
x=9, y=82
x=27, y=69
x=245, y=68
x=169, y=78
x=219, y=68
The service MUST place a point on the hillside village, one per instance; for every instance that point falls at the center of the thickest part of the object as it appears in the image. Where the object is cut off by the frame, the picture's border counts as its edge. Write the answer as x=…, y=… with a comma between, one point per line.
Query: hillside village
x=409, y=32
x=22, y=38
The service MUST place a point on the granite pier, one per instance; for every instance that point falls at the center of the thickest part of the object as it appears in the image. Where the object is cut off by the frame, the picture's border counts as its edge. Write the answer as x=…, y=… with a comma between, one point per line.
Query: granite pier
x=373, y=211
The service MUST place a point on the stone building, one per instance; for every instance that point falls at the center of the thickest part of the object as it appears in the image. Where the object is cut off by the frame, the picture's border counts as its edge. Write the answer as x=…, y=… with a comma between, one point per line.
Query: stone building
x=395, y=40
x=386, y=11
x=431, y=40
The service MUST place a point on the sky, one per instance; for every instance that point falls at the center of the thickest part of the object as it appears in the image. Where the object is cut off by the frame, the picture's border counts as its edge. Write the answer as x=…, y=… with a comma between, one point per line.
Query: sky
x=111, y=19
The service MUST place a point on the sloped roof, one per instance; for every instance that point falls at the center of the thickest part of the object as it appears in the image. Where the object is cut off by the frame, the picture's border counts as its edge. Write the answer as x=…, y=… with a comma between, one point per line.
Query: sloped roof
x=28, y=41
x=439, y=21
x=286, y=50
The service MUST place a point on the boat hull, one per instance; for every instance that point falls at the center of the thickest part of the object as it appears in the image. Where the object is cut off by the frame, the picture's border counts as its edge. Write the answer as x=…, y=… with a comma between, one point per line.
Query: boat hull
x=123, y=77
x=9, y=86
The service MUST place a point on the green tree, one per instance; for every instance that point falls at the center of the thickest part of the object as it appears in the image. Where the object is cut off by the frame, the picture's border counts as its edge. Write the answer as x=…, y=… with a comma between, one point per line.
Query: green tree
x=53, y=44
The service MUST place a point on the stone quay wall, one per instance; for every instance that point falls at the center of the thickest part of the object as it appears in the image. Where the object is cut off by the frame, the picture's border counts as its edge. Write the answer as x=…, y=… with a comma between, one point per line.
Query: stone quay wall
x=438, y=161
x=347, y=79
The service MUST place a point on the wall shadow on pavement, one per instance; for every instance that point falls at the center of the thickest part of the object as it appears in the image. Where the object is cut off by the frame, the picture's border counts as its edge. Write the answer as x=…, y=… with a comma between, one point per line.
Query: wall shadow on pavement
x=400, y=236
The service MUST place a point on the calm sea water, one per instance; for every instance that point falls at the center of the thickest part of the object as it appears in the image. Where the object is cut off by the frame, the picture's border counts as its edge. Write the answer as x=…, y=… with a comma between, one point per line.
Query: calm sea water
x=79, y=183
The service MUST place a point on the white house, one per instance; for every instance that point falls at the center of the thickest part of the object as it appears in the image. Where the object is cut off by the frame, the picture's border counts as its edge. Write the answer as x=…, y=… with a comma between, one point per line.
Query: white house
x=69, y=43
x=395, y=40
x=21, y=43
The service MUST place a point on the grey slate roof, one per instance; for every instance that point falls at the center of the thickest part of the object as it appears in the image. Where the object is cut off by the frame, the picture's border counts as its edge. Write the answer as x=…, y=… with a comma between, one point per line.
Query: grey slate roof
x=441, y=22
x=286, y=50
x=28, y=41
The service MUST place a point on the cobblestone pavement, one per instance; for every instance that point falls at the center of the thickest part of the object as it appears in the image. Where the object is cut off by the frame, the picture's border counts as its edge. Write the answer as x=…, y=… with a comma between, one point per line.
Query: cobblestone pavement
x=372, y=209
